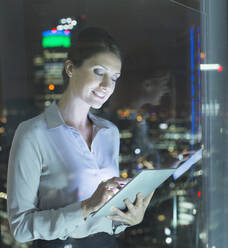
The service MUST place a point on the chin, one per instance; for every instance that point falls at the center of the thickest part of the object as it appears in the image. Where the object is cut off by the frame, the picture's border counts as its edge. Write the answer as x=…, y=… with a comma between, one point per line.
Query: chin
x=96, y=106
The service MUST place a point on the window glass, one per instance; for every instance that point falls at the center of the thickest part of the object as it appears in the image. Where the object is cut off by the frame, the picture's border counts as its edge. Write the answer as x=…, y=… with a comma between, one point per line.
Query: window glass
x=156, y=104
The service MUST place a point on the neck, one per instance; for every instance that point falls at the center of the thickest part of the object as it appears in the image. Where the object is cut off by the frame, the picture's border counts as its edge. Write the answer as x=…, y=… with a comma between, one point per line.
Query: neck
x=74, y=111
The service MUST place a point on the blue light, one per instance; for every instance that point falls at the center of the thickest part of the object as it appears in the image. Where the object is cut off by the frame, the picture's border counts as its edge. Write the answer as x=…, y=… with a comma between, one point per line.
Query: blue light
x=199, y=100
x=192, y=78
x=192, y=49
x=49, y=33
x=193, y=90
x=193, y=120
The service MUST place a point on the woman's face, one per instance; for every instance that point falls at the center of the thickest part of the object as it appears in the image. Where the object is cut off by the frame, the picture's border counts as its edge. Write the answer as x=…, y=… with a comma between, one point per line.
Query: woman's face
x=94, y=81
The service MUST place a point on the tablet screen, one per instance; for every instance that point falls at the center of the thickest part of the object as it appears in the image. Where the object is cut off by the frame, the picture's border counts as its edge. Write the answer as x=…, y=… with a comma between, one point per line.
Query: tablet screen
x=187, y=164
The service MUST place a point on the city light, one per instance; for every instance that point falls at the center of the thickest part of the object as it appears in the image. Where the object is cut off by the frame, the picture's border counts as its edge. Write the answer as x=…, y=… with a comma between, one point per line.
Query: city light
x=3, y=195
x=47, y=103
x=3, y=119
x=186, y=205
x=137, y=151
x=140, y=166
x=194, y=211
x=211, y=67
x=167, y=231
x=67, y=32
x=60, y=27
x=74, y=22
x=171, y=148
x=124, y=113
x=161, y=217
x=63, y=21
x=69, y=20
x=202, y=55
x=139, y=118
x=83, y=16
x=55, y=32
x=51, y=87
x=124, y=175
x=163, y=126
x=185, y=219
x=52, y=55
x=56, y=38
x=56, y=41
x=211, y=109
x=66, y=23
x=168, y=240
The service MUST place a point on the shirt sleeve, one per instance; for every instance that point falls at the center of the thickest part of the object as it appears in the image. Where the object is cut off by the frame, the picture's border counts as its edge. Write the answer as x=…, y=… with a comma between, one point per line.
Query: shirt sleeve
x=27, y=222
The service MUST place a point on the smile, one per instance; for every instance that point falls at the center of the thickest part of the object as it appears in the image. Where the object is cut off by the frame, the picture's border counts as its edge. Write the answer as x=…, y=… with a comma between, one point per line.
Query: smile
x=99, y=94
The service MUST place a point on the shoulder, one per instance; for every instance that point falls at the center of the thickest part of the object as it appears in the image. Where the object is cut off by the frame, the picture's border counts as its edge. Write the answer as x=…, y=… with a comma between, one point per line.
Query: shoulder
x=31, y=127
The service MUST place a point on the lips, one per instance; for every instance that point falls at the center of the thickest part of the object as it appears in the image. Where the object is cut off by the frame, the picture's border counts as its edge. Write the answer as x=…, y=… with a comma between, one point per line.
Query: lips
x=99, y=94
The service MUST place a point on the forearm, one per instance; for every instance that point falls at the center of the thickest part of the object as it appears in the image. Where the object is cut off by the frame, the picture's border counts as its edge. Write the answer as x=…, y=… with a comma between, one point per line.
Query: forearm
x=46, y=224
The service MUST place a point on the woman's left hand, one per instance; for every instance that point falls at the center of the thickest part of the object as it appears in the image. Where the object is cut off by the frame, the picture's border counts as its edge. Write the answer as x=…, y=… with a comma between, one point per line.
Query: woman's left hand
x=135, y=212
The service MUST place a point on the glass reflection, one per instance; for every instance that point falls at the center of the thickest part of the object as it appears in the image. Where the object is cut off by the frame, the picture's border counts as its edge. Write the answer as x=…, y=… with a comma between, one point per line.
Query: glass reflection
x=157, y=105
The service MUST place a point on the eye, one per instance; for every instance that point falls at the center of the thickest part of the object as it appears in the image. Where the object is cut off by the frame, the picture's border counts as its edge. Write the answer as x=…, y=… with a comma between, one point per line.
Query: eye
x=115, y=78
x=98, y=72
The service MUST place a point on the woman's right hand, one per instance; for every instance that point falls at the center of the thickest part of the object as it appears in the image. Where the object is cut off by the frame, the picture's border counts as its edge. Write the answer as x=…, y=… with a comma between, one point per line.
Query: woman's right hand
x=105, y=191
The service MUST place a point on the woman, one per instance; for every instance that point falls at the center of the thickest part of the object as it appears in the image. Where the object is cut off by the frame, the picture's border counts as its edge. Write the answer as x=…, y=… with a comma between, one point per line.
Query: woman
x=63, y=163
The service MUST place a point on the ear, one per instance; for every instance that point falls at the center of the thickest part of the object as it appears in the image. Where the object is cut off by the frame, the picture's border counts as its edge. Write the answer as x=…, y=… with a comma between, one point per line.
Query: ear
x=69, y=68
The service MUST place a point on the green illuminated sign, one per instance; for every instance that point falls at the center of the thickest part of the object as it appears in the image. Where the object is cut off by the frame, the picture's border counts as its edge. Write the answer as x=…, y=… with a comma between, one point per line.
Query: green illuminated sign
x=56, y=41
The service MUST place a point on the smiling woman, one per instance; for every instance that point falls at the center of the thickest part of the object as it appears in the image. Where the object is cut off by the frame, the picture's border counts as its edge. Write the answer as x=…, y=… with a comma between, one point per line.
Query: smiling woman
x=63, y=164
x=94, y=81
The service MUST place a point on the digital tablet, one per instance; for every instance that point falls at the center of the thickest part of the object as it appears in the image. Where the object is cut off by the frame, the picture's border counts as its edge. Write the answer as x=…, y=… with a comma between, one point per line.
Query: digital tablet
x=145, y=182
x=187, y=164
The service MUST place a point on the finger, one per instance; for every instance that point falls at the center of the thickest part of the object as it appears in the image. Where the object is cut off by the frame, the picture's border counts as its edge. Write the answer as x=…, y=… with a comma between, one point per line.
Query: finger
x=118, y=212
x=117, y=182
x=108, y=194
x=118, y=218
x=124, y=180
x=129, y=204
x=147, y=199
x=139, y=200
x=123, y=183
x=120, y=179
x=110, y=185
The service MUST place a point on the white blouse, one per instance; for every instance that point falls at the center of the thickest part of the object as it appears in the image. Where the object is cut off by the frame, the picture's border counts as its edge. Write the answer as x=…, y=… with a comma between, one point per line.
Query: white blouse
x=51, y=170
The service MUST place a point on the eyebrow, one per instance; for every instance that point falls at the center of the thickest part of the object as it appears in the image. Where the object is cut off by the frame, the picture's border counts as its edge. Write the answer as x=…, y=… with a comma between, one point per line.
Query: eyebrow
x=107, y=68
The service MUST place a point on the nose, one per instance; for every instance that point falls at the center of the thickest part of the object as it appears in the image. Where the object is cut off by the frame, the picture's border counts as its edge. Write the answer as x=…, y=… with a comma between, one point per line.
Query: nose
x=105, y=83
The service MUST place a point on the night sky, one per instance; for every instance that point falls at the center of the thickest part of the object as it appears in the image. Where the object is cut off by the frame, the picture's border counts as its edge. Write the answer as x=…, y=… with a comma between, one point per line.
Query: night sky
x=153, y=35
